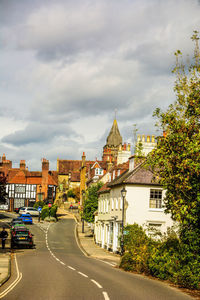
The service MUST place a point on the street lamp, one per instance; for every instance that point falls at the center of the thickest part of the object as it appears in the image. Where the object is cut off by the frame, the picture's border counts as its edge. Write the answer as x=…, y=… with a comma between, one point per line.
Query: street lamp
x=82, y=218
x=123, y=194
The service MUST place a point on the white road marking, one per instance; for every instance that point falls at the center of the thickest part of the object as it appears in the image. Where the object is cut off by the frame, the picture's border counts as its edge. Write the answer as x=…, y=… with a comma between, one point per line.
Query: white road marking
x=106, y=296
x=71, y=268
x=17, y=280
x=84, y=275
x=97, y=284
x=62, y=263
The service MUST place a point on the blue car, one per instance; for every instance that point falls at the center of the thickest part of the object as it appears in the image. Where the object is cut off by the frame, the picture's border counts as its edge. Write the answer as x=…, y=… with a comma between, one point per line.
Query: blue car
x=26, y=218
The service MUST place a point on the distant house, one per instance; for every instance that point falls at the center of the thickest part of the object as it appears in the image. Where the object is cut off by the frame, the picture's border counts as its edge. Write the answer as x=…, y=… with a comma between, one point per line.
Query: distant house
x=143, y=205
x=25, y=187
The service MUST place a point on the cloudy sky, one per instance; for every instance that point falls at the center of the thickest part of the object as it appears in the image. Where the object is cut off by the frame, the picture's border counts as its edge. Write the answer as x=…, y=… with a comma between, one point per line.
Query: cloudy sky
x=66, y=65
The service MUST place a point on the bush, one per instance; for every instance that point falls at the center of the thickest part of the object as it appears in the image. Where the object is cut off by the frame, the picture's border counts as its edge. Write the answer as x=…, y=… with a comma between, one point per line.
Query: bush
x=45, y=212
x=138, y=247
x=127, y=262
x=39, y=203
x=168, y=258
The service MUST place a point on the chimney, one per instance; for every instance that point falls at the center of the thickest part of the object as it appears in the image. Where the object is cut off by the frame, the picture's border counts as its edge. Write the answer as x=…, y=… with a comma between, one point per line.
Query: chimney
x=148, y=138
x=131, y=163
x=3, y=158
x=153, y=139
x=45, y=165
x=22, y=165
x=83, y=159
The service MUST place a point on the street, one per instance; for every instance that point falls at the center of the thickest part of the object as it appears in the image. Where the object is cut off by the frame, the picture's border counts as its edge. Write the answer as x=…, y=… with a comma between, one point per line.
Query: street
x=57, y=269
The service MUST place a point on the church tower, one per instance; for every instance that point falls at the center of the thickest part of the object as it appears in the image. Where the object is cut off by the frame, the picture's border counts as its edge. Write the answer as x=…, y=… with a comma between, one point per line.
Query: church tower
x=113, y=142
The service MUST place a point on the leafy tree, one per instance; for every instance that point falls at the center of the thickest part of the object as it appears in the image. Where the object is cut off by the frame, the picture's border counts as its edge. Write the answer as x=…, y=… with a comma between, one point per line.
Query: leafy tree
x=3, y=194
x=176, y=159
x=91, y=202
x=71, y=194
x=74, y=193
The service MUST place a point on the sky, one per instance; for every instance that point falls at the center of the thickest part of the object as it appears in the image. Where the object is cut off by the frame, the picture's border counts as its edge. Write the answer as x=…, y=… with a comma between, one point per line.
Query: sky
x=66, y=66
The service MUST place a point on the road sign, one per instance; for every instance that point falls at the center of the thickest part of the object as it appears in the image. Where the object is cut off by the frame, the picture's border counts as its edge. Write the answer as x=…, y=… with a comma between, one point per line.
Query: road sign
x=39, y=209
x=49, y=205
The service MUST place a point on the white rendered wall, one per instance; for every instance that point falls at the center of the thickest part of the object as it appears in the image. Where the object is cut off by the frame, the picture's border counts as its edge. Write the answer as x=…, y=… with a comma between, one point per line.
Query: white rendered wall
x=138, y=210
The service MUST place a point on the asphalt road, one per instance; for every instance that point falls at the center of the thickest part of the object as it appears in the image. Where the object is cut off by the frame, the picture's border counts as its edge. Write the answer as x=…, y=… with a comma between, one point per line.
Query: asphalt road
x=57, y=269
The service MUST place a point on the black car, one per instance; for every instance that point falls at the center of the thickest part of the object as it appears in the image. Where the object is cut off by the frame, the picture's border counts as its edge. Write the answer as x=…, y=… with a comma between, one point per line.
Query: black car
x=21, y=236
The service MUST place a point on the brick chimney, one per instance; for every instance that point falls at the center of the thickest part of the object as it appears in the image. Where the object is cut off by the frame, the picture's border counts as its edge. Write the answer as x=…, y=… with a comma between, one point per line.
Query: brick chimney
x=45, y=172
x=83, y=159
x=22, y=165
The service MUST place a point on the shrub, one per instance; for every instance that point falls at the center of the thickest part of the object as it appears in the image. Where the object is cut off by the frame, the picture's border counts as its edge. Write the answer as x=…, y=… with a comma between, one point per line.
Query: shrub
x=39, y=203
x=168, y=258
x=45, y=212
x=127, y=262
x=138, y=247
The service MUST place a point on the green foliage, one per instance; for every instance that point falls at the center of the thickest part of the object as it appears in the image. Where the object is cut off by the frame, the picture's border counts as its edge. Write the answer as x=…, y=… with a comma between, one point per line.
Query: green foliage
x=167, y=258
x=39, y=203
x=177, y=157
x=71, y=194
x=45, y=211
x=176, y=161
x=137, y=249
x=91, y=202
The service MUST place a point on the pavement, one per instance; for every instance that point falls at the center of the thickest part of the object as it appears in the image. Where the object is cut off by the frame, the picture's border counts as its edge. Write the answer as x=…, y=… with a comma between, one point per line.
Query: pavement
x=85, y=241
x=5, y=261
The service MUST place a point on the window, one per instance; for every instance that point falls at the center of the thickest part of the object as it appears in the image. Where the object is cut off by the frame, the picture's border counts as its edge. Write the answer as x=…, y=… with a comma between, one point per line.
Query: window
x=112, y=207
x=98, y=171
x=116, y=203
x=155, y=199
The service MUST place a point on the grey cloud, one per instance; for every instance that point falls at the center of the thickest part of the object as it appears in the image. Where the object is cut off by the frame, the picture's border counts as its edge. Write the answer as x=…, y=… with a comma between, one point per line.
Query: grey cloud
x=37, y=134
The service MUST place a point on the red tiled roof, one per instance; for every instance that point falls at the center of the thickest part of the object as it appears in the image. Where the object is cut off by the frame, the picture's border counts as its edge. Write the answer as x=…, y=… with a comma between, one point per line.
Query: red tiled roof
x=75, y=176
x=65, y=166
x=28, y=177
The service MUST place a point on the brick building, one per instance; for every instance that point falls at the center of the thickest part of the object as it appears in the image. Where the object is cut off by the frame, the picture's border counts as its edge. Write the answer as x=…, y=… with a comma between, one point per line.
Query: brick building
x=25, y=187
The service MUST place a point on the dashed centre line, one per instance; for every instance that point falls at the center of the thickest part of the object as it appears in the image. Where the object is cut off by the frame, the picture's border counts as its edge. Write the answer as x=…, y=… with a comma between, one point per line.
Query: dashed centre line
x=97, y=284
x=71, y=268
x=105, y=295
x=84, y=275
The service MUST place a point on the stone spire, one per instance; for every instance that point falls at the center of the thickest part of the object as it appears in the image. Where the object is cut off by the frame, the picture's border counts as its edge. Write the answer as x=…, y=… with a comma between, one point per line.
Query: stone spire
x=114, y=138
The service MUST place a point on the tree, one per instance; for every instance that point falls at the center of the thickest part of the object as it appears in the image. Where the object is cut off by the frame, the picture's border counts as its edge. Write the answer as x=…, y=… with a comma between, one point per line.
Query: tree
x=91, y=202
x=3, y=194
x=176, y=159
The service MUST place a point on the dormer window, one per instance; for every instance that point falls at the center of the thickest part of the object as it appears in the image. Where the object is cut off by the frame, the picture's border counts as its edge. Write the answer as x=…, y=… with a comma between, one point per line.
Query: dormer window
x=98, y=171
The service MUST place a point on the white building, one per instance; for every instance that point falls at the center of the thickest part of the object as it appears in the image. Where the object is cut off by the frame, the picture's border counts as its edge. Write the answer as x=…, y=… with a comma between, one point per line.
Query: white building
x=143, y=205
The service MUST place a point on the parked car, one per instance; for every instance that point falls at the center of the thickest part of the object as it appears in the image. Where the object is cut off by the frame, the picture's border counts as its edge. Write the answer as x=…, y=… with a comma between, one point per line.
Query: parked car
x=26, y=218
x=16, y=209
x=15, y=222
x=29, y=210
x=21, y=237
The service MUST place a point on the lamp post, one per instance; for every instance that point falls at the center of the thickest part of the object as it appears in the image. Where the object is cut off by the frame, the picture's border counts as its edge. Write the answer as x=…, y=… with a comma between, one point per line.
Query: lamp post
x=82, y=218
x=123, y=194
